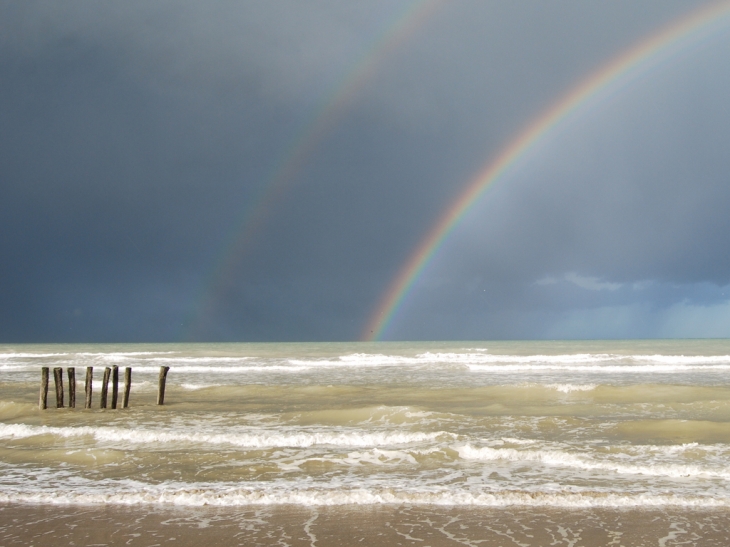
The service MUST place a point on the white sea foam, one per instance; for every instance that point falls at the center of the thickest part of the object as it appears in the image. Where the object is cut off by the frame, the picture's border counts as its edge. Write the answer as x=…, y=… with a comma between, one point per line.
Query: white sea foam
x=568, y=388
x=195, y=387
x=182, y=368
x=474, y=359
x=185, y=368
x=268, y=494
x=357, y=360
x=585, y=358
x=379, y=456
x=587, y=463
x=254, y=439
x=29, y=355
x=477, y=358
x=121, y=353
x=485, y=362
x=200, y=359
x=605, y=369
x=682, y=359
x=512, y=440
x=151, y=357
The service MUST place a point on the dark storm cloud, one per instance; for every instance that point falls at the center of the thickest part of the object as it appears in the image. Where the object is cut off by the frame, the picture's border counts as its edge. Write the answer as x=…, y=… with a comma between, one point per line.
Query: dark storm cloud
x=134, y=134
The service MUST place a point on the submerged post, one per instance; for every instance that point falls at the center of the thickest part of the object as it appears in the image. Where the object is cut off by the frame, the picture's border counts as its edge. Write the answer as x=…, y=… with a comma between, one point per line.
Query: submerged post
x=161, y=386
x=58, y=380
x=71, y=387
x=105, y=386
x=127, y=386
x=43, y=399
x=115, y=385
x=87, y=386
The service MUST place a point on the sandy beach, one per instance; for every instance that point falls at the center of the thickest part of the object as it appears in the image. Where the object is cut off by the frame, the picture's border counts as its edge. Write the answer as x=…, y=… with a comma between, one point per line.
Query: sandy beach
x=46, y=525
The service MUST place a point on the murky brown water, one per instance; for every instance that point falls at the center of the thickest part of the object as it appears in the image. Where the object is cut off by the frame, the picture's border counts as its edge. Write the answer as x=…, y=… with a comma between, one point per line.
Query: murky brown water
x=520, y=443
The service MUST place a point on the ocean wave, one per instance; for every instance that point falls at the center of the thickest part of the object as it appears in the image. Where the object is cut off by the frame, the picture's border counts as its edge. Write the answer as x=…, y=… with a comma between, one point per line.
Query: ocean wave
x=583, y=358
x=586, y=463
x=606, y=369
x=357, y=360
x=512, y=440
x=253, y=440
x=177, y=367
x=199, y=359
x=27, y=355
x=201, y=369
x=119, y=353
x=474, y=360
x=266, y=494
x=510, y=363
x=568, y=388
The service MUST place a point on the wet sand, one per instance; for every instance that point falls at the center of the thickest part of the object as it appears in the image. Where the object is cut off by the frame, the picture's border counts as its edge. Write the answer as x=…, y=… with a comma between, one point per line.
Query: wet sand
x=61, y=525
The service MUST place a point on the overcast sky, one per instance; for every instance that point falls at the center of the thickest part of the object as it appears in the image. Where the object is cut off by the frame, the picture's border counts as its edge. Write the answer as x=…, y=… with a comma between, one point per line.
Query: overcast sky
x=138, y=140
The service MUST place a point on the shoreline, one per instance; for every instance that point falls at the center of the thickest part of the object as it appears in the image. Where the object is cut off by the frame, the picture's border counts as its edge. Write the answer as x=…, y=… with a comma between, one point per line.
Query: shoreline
x=437, y=526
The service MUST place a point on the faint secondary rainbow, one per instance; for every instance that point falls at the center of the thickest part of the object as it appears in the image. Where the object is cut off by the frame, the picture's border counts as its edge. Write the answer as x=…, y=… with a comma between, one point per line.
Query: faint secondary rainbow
x=648, y=53
x=407, y=21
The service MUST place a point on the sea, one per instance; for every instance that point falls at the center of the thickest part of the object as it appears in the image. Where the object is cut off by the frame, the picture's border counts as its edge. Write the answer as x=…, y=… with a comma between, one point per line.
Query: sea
x=388, y=443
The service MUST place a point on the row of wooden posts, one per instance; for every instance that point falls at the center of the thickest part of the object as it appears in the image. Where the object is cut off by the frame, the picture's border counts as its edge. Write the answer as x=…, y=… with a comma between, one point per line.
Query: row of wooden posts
x=109, y=372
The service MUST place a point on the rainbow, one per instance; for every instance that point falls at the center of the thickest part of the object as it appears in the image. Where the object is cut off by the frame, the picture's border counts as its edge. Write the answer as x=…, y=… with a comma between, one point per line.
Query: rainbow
x=221, y=276
x=617, y=73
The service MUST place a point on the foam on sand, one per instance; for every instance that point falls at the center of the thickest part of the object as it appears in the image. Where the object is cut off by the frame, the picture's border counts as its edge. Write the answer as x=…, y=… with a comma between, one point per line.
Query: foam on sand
x=267, y=494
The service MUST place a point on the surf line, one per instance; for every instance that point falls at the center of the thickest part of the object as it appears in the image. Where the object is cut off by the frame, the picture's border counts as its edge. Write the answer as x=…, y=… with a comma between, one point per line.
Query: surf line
x=249, y=224
x=634, y=62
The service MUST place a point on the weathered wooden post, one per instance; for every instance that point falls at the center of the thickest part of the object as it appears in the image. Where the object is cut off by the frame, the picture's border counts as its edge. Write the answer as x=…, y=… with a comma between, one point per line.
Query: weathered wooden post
x=71, y=387
x=43, y=399
x=105, y=386
x=127, y=386
x=115, y=385
x=87, y=386
x=58, y=380
x=161, y=386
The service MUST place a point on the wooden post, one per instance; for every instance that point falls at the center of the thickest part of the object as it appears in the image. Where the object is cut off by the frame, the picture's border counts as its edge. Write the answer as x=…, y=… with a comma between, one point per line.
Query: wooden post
x=71, y=387
x=161, y=386
x=87, y=386
x=127, y=386
x=43, y=399
x=58, y=379
x=115, y=385
x=105, y=386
